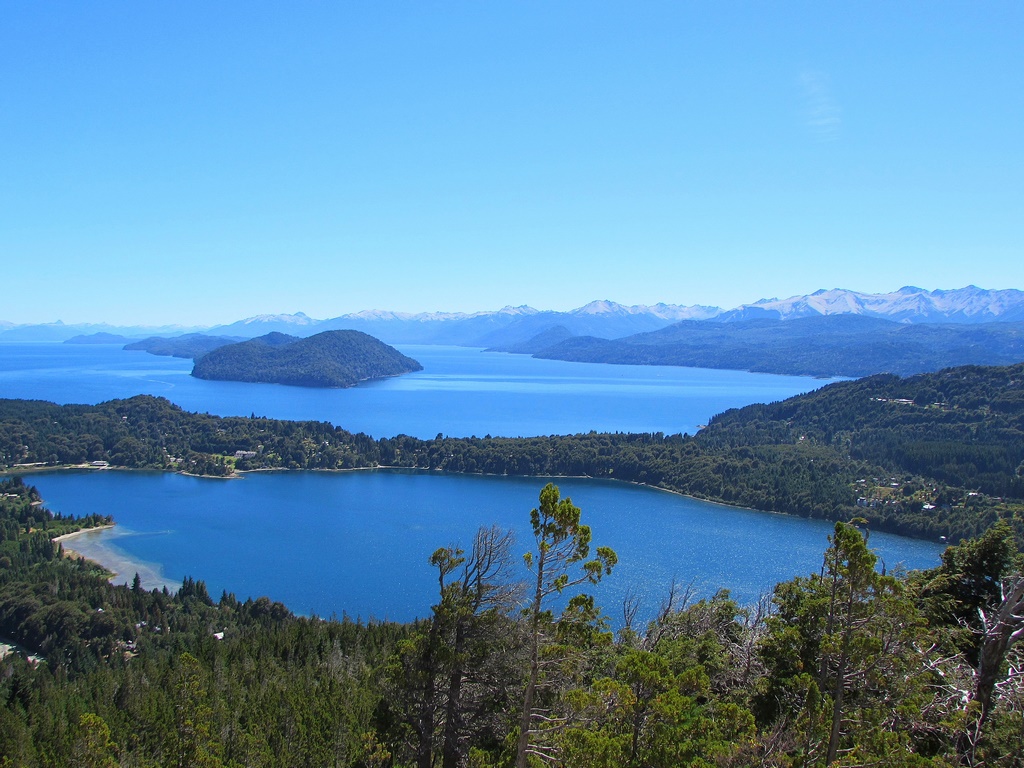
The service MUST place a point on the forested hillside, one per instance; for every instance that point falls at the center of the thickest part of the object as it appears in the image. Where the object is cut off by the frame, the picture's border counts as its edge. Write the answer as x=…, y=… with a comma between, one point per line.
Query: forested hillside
x=963, y=426
x=132, y=677
x=832, y=345
x=847, y=664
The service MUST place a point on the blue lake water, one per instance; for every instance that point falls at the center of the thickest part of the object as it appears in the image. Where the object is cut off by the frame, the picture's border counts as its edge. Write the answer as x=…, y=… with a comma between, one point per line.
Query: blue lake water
x=460, y=392
x=358, y=542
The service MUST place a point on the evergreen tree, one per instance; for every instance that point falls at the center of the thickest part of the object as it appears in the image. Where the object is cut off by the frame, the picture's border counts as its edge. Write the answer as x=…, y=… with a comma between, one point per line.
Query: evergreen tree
x=559, y=563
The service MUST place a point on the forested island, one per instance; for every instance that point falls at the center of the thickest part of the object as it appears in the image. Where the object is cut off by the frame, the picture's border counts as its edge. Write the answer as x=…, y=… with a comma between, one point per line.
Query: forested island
x=932, y=455
x=328, y=359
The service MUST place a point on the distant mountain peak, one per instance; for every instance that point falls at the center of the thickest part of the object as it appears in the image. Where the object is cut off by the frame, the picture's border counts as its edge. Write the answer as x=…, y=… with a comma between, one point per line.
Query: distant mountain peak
x=378, y=314
x=671, y=312
x=298, y=318
x=522, y=309
x=601, y=307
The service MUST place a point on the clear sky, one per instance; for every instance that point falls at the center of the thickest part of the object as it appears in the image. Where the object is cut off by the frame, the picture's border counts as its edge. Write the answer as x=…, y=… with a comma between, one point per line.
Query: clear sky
x=202, y=162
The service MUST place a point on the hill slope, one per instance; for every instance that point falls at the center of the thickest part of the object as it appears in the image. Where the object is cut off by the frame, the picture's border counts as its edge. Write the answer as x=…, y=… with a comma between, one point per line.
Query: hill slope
x=328, y=359
x=833, y=345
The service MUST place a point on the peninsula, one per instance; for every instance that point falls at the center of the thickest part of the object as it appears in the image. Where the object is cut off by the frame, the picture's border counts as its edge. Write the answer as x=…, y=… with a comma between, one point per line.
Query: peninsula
x=937, y=454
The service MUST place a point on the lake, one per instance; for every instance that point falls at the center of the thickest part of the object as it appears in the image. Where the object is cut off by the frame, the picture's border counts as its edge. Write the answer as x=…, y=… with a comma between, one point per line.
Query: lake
x=358, y=542
x=460, y=392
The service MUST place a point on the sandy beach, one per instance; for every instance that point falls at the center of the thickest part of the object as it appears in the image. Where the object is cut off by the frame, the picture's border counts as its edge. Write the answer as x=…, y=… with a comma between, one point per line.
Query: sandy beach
x=70, y=551
x=76, y=534
x=88, y=544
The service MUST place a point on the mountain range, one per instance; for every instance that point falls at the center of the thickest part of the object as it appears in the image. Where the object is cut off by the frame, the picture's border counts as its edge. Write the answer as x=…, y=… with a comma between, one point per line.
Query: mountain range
x=907, y=305
x=601, y=319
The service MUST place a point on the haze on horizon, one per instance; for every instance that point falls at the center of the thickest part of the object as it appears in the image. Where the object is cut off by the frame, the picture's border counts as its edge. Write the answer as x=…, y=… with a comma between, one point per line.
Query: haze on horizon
x=198, y=165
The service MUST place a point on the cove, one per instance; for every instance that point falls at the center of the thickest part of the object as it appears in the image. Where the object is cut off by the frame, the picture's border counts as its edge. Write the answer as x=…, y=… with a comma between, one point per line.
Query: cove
x=357, y=543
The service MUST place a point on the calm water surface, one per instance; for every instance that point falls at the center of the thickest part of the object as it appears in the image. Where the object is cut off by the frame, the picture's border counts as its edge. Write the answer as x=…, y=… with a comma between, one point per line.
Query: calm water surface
x=358, y=542
x=460, y=392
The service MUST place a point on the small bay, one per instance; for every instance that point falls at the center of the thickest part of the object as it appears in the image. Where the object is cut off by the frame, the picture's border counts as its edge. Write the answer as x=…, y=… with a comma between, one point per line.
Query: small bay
x=358, y=542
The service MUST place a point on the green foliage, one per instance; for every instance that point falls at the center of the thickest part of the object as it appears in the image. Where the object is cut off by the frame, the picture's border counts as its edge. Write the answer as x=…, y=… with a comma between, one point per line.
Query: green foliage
x=968, y=581
x=135, y=677
x=453, y=681
x=843, y=658
x=94, y=747
x=560, y=562
x=847, y=671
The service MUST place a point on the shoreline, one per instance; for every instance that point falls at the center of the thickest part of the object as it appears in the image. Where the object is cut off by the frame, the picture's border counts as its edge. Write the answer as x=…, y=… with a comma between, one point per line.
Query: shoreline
x=81, y=531
x=38, y=469
x=118, y=566
x=73, y=554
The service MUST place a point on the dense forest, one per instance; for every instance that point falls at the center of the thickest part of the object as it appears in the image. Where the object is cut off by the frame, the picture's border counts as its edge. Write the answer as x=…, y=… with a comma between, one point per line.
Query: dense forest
x=328, y=359
x=830, y=345
x=931, y=455
x=844, y=667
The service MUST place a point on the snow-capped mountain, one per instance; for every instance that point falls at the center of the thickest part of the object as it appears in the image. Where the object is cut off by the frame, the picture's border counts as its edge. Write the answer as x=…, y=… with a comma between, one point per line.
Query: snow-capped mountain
x=299, y=324
x=605, y=307
x=671, y=312
x=606, y=319
x=907, y=305
x=379, y=315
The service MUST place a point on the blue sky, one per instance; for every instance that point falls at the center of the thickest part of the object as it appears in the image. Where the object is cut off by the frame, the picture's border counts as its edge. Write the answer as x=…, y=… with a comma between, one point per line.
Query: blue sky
x=202, y=162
